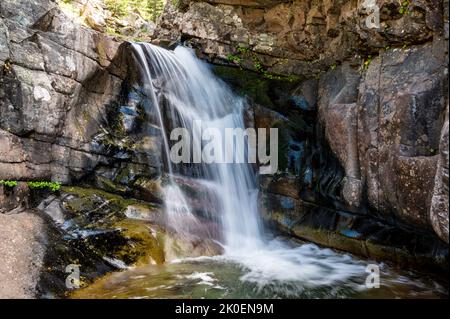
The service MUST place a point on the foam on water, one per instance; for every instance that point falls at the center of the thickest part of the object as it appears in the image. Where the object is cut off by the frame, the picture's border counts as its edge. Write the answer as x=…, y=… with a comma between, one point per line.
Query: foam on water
x=183, y=89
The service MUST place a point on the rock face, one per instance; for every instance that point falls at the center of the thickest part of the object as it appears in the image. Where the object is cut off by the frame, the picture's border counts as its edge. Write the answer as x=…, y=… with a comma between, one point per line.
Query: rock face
x=377, y=97
x=22, y=248
x=68, y=112
x=399, y=141
x=298, y=37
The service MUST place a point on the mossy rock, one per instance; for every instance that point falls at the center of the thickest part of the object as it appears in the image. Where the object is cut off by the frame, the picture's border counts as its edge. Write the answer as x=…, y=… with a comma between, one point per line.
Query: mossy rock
x=145, y=243
x=246, y=83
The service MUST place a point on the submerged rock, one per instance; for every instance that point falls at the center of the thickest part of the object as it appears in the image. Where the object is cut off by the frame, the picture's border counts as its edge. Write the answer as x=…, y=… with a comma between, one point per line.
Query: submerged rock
x=102, y=232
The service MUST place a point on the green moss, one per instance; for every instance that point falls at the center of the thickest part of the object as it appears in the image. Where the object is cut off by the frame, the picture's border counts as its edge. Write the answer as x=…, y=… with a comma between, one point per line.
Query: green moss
x=367, y=62
x=53, y=186
x=88, y=192
x=248, y=83
x=83, y=192
x=109, y=185
x=146, y=242
x=245, y=53
x=404, y=7
x=235, y=59
x=10, y=184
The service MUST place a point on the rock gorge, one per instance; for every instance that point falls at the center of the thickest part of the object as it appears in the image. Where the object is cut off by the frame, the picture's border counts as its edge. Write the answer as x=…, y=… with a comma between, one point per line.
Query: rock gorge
x=362, y=114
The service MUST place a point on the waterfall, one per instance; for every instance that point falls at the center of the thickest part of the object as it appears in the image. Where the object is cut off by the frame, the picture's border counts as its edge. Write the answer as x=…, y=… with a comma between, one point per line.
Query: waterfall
x=185, y=90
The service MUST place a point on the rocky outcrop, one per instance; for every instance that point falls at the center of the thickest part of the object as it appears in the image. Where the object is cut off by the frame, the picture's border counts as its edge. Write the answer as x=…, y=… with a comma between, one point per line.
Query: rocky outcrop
x=376, y=97
x=298, y=37
x=67, y=110
x=103, y=232
x=361, y=111
x=70, y=113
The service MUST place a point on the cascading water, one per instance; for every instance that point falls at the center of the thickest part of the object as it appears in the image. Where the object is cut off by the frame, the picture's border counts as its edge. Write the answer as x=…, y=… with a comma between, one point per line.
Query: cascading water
x=191, y=92
x=183, y=89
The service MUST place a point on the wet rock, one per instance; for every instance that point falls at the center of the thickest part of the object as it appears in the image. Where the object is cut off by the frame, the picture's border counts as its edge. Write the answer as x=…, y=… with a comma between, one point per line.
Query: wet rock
x=101, y=232
x=439, y=201
x=358, y=234
x=98, y=231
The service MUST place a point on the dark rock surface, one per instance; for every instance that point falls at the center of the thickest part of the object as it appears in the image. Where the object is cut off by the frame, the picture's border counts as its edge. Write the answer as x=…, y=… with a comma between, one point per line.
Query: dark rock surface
x=364, y=124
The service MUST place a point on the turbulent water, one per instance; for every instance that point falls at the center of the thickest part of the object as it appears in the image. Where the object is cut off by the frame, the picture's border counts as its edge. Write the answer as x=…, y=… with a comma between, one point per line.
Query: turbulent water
x=183, y=89
x=304, y=271
x=191, y=92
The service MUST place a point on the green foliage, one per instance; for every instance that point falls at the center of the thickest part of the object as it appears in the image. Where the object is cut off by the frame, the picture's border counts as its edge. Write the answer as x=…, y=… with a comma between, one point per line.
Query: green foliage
x=367, y=62
x=54, y=186
x=234, y=58
x=8, y=183
x=148, y=9
x=246, y=53
x=243, y=50
x=404, y=7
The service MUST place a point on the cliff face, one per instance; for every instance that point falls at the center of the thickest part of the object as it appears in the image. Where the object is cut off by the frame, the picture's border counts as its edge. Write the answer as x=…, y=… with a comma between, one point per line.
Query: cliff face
x=67, y=112
x=379, y=92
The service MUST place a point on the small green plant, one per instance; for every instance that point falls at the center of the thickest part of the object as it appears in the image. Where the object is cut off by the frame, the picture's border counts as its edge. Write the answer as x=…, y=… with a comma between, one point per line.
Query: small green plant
x=53, y=186
x=367, y=62
x=234, y=58
x=404, y=7
x=245, y=52
x=7, y=66
x=10, y=184
x=333, y=66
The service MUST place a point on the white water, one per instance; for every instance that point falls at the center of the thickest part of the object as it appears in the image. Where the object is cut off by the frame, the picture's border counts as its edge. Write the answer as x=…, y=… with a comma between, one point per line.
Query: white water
x=192, y=92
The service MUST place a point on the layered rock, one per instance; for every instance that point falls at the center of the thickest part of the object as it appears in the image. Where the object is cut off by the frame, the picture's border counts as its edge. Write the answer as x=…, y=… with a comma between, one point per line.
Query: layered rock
x=298, y=37
x=67, y=105
x=376, y=94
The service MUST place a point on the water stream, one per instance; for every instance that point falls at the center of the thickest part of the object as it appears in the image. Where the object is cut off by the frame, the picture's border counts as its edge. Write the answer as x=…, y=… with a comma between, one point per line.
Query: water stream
x=254, y=264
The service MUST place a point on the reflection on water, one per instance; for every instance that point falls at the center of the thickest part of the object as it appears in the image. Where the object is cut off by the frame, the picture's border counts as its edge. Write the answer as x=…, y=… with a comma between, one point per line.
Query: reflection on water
x=279, y=271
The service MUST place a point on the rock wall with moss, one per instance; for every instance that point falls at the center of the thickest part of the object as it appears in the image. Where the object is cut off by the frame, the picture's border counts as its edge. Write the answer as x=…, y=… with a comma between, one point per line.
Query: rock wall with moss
x=362, y=110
